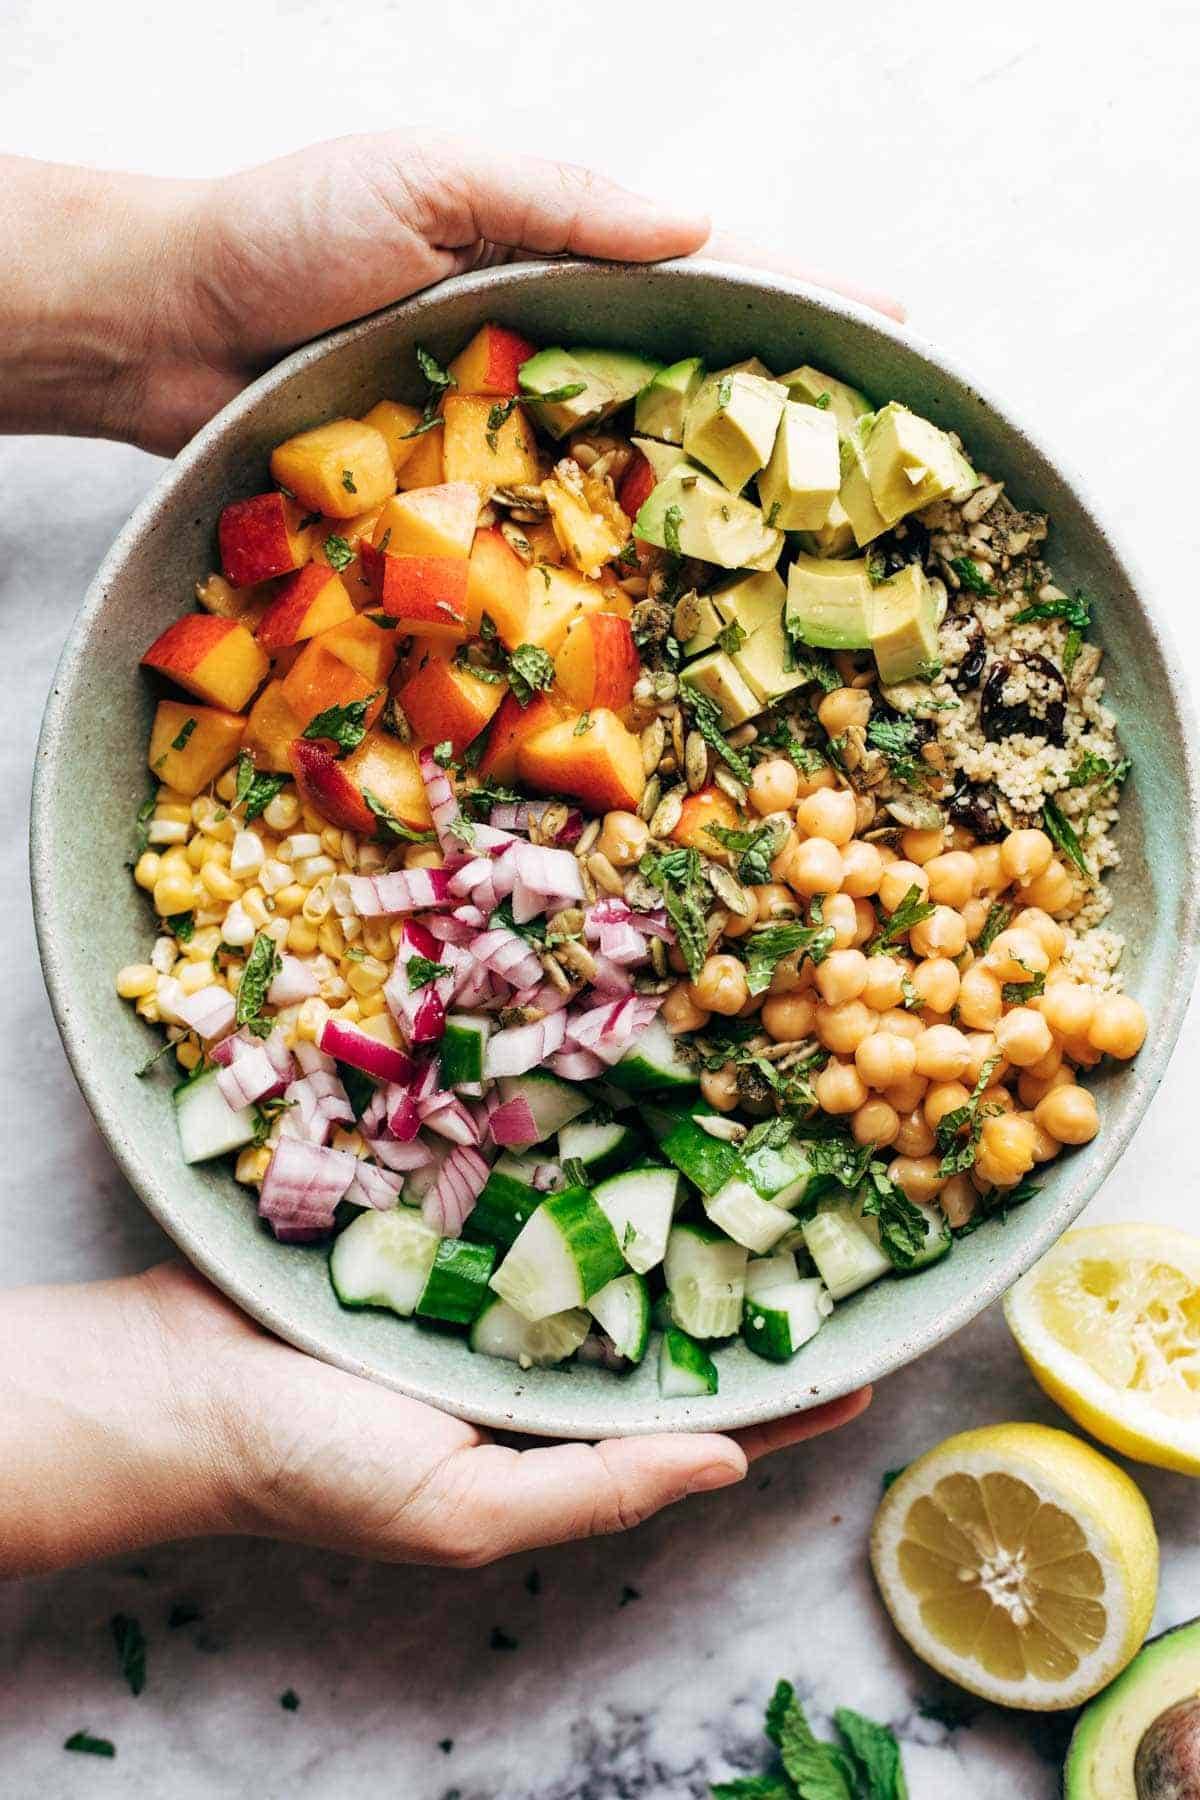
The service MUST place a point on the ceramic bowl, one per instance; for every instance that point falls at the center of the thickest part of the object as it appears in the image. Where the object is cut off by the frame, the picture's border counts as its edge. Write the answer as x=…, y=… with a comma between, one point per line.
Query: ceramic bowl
x=91, y=919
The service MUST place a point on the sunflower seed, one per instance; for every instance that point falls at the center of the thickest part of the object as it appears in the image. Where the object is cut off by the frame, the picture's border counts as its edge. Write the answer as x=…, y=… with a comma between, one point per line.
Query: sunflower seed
x=658, y=956
x=729, y=1131
x=516, y=540
x=745, y=734
x=650, y=798
x=565, y=924
x=715, y=925
x=557, y=975
x=729, y=891
x=915, y=814
x=604, y=875
x=587, y=838
x=654, y=741
x=667, y=814
x=577, y=958
x=729, y=784
x=686, y=621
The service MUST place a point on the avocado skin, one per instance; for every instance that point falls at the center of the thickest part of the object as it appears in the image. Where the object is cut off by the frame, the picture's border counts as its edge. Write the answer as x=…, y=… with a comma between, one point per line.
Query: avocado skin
x=1100, y=1759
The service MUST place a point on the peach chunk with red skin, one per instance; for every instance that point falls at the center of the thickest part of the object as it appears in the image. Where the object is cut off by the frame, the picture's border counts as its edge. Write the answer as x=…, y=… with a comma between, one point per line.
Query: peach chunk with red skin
x=318, y=681
x=380, y=767
x=441, y=701
x=262, y=537
x=598, y=662
x=512, y=724
x=491, y=362
x=592, y=757
x=310, y=601
x=270, y=729
x=498, y=585
x=190, y=745
x=215, y=659
x=709, y=806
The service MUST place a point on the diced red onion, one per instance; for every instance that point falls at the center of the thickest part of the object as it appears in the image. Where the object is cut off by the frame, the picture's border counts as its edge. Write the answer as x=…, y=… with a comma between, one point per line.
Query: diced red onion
x=610, y=978
x=518, y=815
x=311, y=1059
x=209, y=1013
x=576, y=1065
x=538, y=878
x=448, y=928
x=481, y=1111
x=373, y=1186
x=475, y=883
x=478, y=988
x=401, y=1157
x=374, y=1117
x=443, y=803
x=362, y=1051
x=512, y=1125
x=608, y=1030
x=301, y=1188
x=449, y=1203
x=401, y=1114
x=452, y=1120
x=546, y=997
x=396, y=891
x=508, y=955
x=249, y=1076
x=598, y=1348
x=420, y=1012
x=318, y=1102
x=294, y=982
x=523, y=1047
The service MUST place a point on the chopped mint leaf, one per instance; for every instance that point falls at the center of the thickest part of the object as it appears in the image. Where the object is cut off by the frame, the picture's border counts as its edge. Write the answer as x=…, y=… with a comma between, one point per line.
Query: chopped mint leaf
x=819, y=1771
x=530, y=670
x=628, y=1595
x=311, y=518
x=391, y=826
x=709, y=722
x=443, y=754
x=130, y=1640
x=767, y=946
x=754, y=850
x=582, y=725
x=480, y=670
x=1018, y=993
x=874, y=1748
x=731, y=638
x=958, y=1131
x=897, y=740
x=911, y=910
x=185, y=732
x=754, y=1787
x=876, y=568
x=1061, y=833
x=968, y=573
x=997, y=920
x=262, y=966
x=438, y=380
x=87, y=1745
x=822, y=402
x=348, y=481
x=255, y=790
x=676, y=875
x=1076, y=613
x=672, y=520
x=339, y=552
x=182, y=926
x=344, y=726
x=145, y=813
x=901, y=1225
x=154, y=1057
x=265, y=1114
x=462, y=829
x=774, y=1133
x=1092, y=768
x=422, y=971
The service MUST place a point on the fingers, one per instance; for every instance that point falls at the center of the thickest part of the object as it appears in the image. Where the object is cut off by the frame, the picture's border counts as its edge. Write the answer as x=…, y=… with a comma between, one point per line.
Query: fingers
x=726, y=248
x=780, y=1434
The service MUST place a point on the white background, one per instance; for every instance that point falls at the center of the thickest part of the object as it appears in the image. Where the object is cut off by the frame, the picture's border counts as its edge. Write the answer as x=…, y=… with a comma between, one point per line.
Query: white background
x=1027, y=179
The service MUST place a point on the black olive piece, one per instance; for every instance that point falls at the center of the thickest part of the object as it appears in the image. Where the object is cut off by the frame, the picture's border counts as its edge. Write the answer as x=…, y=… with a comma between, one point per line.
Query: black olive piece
x=1000, y=720
x=975, y=806
x=967, y=674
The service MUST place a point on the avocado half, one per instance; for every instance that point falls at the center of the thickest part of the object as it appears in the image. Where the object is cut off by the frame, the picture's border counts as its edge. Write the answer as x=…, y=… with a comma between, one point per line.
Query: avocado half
x=1100, y=1760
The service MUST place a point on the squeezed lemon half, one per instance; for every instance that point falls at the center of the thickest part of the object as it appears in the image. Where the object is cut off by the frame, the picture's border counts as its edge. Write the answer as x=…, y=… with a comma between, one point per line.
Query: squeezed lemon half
x=1019, y=1562
x=1109, y=1323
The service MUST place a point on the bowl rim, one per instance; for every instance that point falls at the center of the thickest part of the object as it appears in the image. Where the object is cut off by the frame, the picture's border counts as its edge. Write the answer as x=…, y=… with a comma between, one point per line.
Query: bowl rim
x=553, y=1415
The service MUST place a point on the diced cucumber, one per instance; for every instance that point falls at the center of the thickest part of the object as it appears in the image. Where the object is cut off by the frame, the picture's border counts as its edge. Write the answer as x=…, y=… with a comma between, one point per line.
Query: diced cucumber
x=462, y=1050
x=781, y=1312
x=708, y=1162
x=685, y=1369
x=457, y=1284
x=565, y=1253
x=747, y=1218
x=208, y=1125
x=653, y=1063
x=938, y=1239
x=602, y=1149
x=706, y=1280
x=639, y=1205
x=383, y=1259
x=782, y=1175
x=847, y=1257
x=622, y=1309
x=552, y=1102
x=499, y=1331
x=507, y=1202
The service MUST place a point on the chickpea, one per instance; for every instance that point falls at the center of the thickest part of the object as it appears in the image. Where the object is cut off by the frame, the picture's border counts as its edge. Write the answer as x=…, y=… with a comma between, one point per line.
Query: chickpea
x=774, y=785
x=1053, y=891
x=1016, y=955
x=843, y=708
x=792, y=975
x=937, y=981
x=866, y=923
x=1048, y=931
x=788, y=1017
x=815, y=867
x=942, y=1053
x=1032, y=1089
x=842, y=976
x=680, y=1012
x=896, y=881
x=922, y=846
x=818, y=781
x=885, y=982
x=975, y=916
x=721, y=986
x=623, y=838
x=980, y=1001
x=907, y=1095
x=1026, y=855
x=783, y=856
x=941, y=934
x=897, y=1021
x=917, y=1177
x=1047, y=1065
x=961, y=838
x=1006, y=1149
x=1045, y=1146
x=422, y=856
x=843, y=1028
x=884, y=1059
x=1118, y=1025
x=753, y=1005
x=839, y=1088
x=875, y=1122
x=1068, y=1007
x=943, y=1097
x=951, y=877
x=862, y=870
x=1024, y=1036
x=738, y=924
x=1069, y=1115
x=983, y=1048
x=774, y=901
x=1082, y=1053
x=829, y=815
x=842, y=915
x=864, y=813
x=720, y=1088
x=914, y=1137
x=958, y=1201
x=990, y=876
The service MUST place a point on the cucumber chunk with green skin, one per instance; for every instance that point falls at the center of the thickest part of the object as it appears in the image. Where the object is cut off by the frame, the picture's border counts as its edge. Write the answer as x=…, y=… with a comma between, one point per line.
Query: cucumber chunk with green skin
x=747, y=1218
x=846, y=1255
x=457, y=1284
x=938, y=1239
x=781, y=1311
x=653, y=1064
x=551, y=370
x=462, y=1048
x=622, y=1309
x=208, y=1125
x=565, y=1254
x=639, y=1205
x=508, y=1201
x=499, y=1331
x=685, y=1370
x=552, y=1102
x=706, y=1280
x=708, y=1162
x=602, y=1149
x=782, y=1175
x=663, y=402
x=384, y=1259
x=625, y=372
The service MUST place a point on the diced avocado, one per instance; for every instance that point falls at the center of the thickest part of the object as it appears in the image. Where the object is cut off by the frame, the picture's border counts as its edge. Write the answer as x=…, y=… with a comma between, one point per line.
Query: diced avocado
x=625, y=372
x=834, y=538
x=750, y=599
x=766, y=663
x=661, y=457
x=800, y=482
x=552, y=369
x=754, y=603
x=767, y=558
x=810, y=386
x=716, y=676
x=693, y=514
x=902, y=615
x=750, y=365
x=731, y=423
x=709, y=630
x=828, y=602
x=910, y=463
x=1129, y=1717
x=866, y=520
x=663, y=402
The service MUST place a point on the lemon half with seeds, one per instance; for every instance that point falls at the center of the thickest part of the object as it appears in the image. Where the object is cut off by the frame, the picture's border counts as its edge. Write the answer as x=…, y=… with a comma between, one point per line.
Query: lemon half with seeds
x=1109, y=1323
x=1018, y=1562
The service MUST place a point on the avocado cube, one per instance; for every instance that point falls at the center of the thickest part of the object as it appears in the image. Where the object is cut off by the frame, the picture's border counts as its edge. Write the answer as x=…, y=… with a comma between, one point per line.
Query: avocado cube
x=625, y=372
x=910, y=463
x=828, y=602
x=750, y=599
x=731, y=423
x=858, y=502
x=766, y=664
x=662, y=403
x=834, y=538
x=690, y=512
x=551, y=370
x=750, y=365
x=903, y=624
x=709, y=630
x=812, y=387
x=801, y=480
x=661, y=457
x=715, y=676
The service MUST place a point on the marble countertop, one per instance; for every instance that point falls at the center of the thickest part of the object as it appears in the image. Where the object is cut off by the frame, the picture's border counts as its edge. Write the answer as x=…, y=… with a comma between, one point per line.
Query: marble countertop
x=1008, y=176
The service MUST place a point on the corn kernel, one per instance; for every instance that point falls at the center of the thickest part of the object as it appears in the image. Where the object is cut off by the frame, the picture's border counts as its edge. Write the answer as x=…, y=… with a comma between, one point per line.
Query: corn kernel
x=203, y=944
x=252, y=1165
x=196, y=975
x=238, y=927
x=247, y=856
x=290, y=899
x=329, y=938
x=318, y=901
x=371, y=857
x=197, y=852
x=277, y=931
x=301, y=843
x=366, y=976
x=349, y=1012
x=395, y=932
x=252, y=905
x=353, y=1141
x=331, y=841
x=175, y=859
x=274, y=875
x=310, y=1020
x=187, y=1054
x=147, y=869
x=377, y=937
x=218, y=851
x=227, y=784
x=302, y=937
x=370, y=1004
x=309, y=870
x=179, y=812
x=313, y=820
x=164, y=954
x=283, y=811
x=167, y=831
x=351, y=930
x=147, y=1008
x=219, y=882
x=349, y=850
x=173, y=894
x=137, y=979
x=212, y=914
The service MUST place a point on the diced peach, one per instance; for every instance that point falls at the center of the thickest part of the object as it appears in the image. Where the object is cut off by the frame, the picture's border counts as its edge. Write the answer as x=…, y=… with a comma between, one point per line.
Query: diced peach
x=190, y=745
x=262, y=537
x=388, y=769
x=442, y=700
x=270, y=729
x=592, y=757
x=708, y=807
x=636, y=484
x=215, y=659
x=512, y=724
x=433, y=521
x=588, y=522
x=557, y=596
x=367, y=647
x=475, y=450
x=598, y=663
x=498, y=586
x=246, y=605
x=393, y=420
x=542, y=541
x=325, y=785
x=342, y=468
x=423, y=466
x=319, y=680
x=425, y=594
x=307, y=602
x=490, y=363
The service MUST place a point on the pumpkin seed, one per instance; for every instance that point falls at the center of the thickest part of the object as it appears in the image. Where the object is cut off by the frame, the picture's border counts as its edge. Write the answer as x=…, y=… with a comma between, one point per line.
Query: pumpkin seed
x=650, y=798
x=687, y=616
x=695, y=761
x=729, y=891
x=557, y=975
x=667, y=814
x=577, y=958
x=729, y=784
x=914, y=813
x=566, y=924
x=658, y=956
x=729, y=1131
x=587, y=838
x=654, y=742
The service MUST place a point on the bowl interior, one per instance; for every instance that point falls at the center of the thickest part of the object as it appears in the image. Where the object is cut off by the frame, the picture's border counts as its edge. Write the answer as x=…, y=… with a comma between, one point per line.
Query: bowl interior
x=91, y=777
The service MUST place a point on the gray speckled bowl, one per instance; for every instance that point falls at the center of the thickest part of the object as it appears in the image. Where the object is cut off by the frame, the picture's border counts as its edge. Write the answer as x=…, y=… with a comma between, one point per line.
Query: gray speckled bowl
x=91, y=919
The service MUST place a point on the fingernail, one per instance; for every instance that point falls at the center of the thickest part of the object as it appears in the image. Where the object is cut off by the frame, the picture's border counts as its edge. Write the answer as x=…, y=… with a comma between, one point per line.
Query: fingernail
x=715, y=1475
